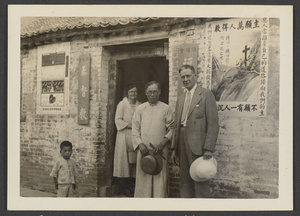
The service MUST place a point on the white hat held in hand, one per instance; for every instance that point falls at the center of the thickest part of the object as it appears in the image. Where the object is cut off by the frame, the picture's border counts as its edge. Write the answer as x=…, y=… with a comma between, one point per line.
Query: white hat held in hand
x=202, y=170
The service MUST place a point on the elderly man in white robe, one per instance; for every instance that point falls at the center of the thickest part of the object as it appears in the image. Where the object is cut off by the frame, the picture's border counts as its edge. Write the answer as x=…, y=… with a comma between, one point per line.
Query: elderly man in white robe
x=152, y=123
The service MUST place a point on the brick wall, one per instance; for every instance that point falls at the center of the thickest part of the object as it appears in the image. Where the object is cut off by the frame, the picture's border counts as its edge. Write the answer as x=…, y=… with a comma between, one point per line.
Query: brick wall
x=93, y=144
x=42, y=134
x=247, y=147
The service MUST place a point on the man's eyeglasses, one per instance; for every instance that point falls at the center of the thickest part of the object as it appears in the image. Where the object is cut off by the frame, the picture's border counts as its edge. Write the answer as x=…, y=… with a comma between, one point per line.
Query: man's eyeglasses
x=152, y=92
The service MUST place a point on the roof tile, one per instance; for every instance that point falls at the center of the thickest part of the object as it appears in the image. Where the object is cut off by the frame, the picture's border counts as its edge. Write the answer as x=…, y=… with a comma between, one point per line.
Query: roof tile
x=31, y=26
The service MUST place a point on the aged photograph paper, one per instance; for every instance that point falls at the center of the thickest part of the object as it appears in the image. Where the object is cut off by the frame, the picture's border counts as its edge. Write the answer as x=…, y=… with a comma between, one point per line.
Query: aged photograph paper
x=119, y=107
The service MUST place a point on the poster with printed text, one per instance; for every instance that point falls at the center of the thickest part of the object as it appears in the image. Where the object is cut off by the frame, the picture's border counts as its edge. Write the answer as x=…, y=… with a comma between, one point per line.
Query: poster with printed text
x=53, y=79
x=237, y=65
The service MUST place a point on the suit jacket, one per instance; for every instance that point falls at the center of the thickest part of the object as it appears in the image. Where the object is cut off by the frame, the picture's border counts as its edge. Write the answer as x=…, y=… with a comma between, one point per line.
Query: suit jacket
x=202, y=124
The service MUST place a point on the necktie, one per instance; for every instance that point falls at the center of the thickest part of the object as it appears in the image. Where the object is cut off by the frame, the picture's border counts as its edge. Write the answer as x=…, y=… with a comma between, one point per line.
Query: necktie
x=186, y=107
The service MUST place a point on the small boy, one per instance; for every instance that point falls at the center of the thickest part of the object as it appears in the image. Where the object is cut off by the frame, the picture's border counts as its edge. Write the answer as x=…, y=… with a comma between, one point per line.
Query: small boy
x=63, y=172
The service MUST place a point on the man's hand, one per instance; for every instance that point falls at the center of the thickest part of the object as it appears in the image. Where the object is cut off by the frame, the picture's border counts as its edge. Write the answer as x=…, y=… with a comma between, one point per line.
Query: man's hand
x=173, y=125
x=143, y=149
x=207, y=155
x=74, y=186
x=174, y=158
x=160, y=146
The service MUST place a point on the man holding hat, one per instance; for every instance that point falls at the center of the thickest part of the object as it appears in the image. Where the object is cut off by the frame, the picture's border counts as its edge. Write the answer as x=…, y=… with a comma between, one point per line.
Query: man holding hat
x=196, y=132
x=151, y=132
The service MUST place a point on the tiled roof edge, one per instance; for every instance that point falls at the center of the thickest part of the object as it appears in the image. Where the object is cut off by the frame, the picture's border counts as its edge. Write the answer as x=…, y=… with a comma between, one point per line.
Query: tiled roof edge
x=81, y=25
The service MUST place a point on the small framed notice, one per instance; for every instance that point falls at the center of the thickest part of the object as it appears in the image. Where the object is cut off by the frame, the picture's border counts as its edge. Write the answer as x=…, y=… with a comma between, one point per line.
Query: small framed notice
x=53, y=79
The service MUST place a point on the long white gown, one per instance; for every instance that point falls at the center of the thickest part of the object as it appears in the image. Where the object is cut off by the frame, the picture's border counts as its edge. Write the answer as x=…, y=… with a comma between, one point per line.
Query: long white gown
x=150, y=124
x=124, y=113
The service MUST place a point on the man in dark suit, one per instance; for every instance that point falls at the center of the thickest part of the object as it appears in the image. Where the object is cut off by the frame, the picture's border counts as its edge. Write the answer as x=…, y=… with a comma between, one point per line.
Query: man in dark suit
x=196, y=132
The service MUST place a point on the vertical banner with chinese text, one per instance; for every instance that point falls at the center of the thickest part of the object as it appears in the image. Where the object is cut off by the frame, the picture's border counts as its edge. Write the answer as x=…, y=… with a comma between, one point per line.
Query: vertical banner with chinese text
x=187, y=55
x=237, y=65
x=83, y=89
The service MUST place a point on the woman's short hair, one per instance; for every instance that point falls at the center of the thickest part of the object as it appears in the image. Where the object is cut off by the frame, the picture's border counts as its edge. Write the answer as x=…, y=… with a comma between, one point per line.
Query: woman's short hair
x=183, y=67
x=130, y=86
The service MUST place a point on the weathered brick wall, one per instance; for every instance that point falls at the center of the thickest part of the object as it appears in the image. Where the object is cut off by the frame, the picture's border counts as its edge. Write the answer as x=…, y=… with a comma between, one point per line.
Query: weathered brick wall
x=247, y=147
x=42, y=134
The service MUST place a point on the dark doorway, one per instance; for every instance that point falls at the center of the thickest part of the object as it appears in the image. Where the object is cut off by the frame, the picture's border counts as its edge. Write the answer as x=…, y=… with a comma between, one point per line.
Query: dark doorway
x=140, y=71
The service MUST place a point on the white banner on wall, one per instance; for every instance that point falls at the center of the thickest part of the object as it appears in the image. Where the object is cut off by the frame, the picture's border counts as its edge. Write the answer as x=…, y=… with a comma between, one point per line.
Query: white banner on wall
x=236, y=68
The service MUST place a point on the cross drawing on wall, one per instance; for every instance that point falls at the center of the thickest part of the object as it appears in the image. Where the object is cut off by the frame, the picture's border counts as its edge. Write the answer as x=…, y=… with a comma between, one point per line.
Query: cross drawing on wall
x=245, y=51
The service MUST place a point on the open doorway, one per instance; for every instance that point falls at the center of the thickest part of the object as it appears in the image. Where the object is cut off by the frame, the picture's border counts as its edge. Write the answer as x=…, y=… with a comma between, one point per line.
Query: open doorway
x=136, y=63
x=140, y=71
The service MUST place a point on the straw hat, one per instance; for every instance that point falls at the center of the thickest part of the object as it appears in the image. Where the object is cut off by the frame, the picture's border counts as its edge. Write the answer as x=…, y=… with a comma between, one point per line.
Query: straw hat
x=151, y=163
x=202, y=170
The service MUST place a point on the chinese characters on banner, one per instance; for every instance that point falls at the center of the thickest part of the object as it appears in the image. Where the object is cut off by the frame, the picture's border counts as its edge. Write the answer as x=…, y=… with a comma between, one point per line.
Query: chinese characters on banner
x=53, y=79
x=264, y=68
x=187, y=55
x=236, y=68
x=83, y=89
x=208, y=66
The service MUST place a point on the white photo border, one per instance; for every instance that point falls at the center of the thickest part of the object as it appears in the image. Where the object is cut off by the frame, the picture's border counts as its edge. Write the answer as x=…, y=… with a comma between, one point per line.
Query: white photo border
x=285, y=200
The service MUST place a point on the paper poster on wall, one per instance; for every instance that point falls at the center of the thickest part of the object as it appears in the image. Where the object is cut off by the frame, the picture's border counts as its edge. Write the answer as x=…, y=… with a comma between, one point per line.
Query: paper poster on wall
x=237, y=65
x=52, y=100
x=53, y=79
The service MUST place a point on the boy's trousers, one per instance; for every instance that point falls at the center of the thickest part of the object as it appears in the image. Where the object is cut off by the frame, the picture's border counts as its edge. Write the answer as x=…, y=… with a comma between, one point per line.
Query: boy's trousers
x=65, y=190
